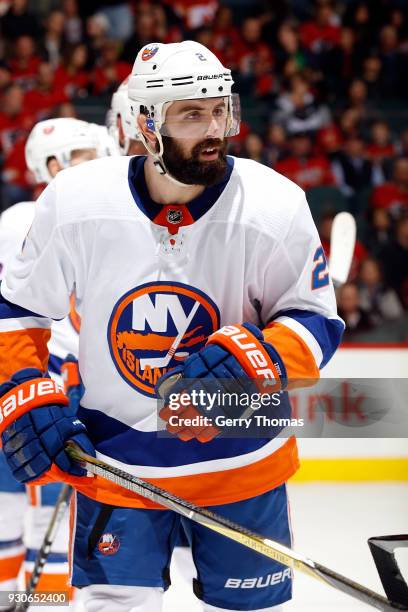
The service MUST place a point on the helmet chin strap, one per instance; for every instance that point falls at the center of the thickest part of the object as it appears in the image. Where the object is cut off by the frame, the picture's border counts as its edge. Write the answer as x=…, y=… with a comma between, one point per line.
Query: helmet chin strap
x=158, y=162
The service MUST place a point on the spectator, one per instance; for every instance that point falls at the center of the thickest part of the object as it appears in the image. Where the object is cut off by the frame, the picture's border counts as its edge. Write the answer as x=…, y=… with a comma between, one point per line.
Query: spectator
x=395, y=261
x=71, y=76
x=349, y=309
x=195, y=13
x=352, y=169
x=372, y=68
x=251, y=49
x=276, y=144
x=303, y=167
x=5, y=77
x=254, y=148
x=381, y=150
x=19, y=21
x=297, y=109
x=393, y=63
x=109, y=72
x=290, y=58
x=46, y=94
x=119, y=17
x=54, y=39
x=345, y=61
x=96, y=35
x=378, y=301
x=73, y=25
x=15, y=121
x=322, y=33
x=224, y=35
x=359, y=19
x=393, y=196
x=329, y=141
x=24, y=62
x=380, y=230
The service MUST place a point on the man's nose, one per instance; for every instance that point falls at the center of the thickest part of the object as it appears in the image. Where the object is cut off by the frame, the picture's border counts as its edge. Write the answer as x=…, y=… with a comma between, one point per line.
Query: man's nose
x=214, y=129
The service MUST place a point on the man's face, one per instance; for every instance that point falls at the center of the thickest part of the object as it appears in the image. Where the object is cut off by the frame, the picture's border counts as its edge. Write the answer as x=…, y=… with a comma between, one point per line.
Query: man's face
x=194, y=141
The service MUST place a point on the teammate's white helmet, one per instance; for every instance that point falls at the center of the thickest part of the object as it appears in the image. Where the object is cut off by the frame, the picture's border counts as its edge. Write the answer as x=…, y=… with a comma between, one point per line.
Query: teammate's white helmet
x=106, y=144
x=121, y=107
x=57, y=138
x=164, y=73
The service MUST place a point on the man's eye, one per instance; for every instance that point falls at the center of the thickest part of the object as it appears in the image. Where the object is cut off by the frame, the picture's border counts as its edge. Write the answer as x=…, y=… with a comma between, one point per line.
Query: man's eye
x=193, y=116
x=219, y=112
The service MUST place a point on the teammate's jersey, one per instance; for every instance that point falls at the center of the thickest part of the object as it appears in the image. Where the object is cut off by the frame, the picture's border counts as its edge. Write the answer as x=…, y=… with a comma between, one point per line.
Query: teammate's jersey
x=151, y=278
x=15, y=223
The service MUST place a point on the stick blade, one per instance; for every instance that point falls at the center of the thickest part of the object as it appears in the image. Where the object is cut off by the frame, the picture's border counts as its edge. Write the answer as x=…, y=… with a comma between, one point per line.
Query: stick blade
x=342, y=243
x=383, y=550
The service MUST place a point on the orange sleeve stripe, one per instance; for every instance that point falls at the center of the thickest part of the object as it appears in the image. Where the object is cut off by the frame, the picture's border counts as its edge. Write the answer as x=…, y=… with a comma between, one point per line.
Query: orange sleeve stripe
x=296, y=355
x=25, y=348
x=10, y=567
x=207, y=489
x=52, y=583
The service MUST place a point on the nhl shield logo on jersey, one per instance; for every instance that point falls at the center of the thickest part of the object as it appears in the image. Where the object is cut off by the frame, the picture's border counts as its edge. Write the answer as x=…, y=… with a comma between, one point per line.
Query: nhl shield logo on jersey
x=154, y=327
x=108, y=544
x=174, y=216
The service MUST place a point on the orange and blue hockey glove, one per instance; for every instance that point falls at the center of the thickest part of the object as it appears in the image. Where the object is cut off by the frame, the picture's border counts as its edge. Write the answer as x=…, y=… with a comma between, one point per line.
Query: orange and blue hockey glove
x=236, y=359
x=36, y=421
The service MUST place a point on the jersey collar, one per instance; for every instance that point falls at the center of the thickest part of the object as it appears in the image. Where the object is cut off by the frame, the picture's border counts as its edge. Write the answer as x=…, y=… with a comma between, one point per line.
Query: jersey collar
x=173, y=216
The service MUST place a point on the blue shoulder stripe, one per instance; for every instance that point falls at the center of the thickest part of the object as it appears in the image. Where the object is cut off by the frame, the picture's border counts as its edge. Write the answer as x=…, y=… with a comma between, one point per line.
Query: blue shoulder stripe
x=8, y=310
x=328, y=332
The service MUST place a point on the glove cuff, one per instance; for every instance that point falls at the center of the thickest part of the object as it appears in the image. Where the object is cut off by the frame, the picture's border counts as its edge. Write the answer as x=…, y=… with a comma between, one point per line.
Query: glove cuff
x=34, y=393
x=252, y=355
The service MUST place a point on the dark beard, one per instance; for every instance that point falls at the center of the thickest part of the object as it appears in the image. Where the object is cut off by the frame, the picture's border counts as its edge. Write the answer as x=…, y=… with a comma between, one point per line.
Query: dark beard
x=190, y=170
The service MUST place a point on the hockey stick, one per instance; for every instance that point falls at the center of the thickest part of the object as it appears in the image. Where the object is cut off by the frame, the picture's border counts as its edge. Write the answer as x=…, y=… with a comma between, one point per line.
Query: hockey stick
x=161, y=362
x=342, y=243
x=231, y=530
x=57, y=515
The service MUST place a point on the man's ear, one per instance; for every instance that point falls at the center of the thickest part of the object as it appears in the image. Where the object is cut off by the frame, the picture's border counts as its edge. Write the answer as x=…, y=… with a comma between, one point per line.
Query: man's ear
x=147, y=133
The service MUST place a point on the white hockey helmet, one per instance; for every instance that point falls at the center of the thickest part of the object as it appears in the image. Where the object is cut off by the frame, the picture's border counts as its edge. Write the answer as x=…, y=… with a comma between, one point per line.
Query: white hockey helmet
x=164, y=73
x=57, y=138
x=121, y=107
x=106, y=144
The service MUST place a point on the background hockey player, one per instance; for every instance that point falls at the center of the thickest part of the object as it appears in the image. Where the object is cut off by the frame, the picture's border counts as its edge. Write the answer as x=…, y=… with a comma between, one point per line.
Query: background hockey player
x=52, y=145
x=122, y=126
x=172, y=256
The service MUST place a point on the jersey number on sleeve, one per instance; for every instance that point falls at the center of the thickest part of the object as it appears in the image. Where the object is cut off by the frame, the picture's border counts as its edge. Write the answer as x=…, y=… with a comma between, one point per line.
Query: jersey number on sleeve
x=320, y=274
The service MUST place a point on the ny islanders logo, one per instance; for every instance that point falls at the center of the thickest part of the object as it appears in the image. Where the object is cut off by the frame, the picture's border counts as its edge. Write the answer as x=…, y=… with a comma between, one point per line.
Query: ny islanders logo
x=154, y=327
x=149, y=51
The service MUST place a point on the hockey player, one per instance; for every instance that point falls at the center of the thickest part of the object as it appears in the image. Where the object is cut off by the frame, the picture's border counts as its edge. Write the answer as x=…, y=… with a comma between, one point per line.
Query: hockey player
x=51, y=146
x=186, y=257
x=121, y=123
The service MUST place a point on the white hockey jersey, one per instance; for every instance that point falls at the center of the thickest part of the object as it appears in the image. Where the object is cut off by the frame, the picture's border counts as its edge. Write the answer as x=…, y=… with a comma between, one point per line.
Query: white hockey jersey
x=145, y=275
x=15, y=223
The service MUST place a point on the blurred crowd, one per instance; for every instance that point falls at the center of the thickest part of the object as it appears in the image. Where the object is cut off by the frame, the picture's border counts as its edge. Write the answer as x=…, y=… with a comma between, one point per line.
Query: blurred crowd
x=324, y=101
